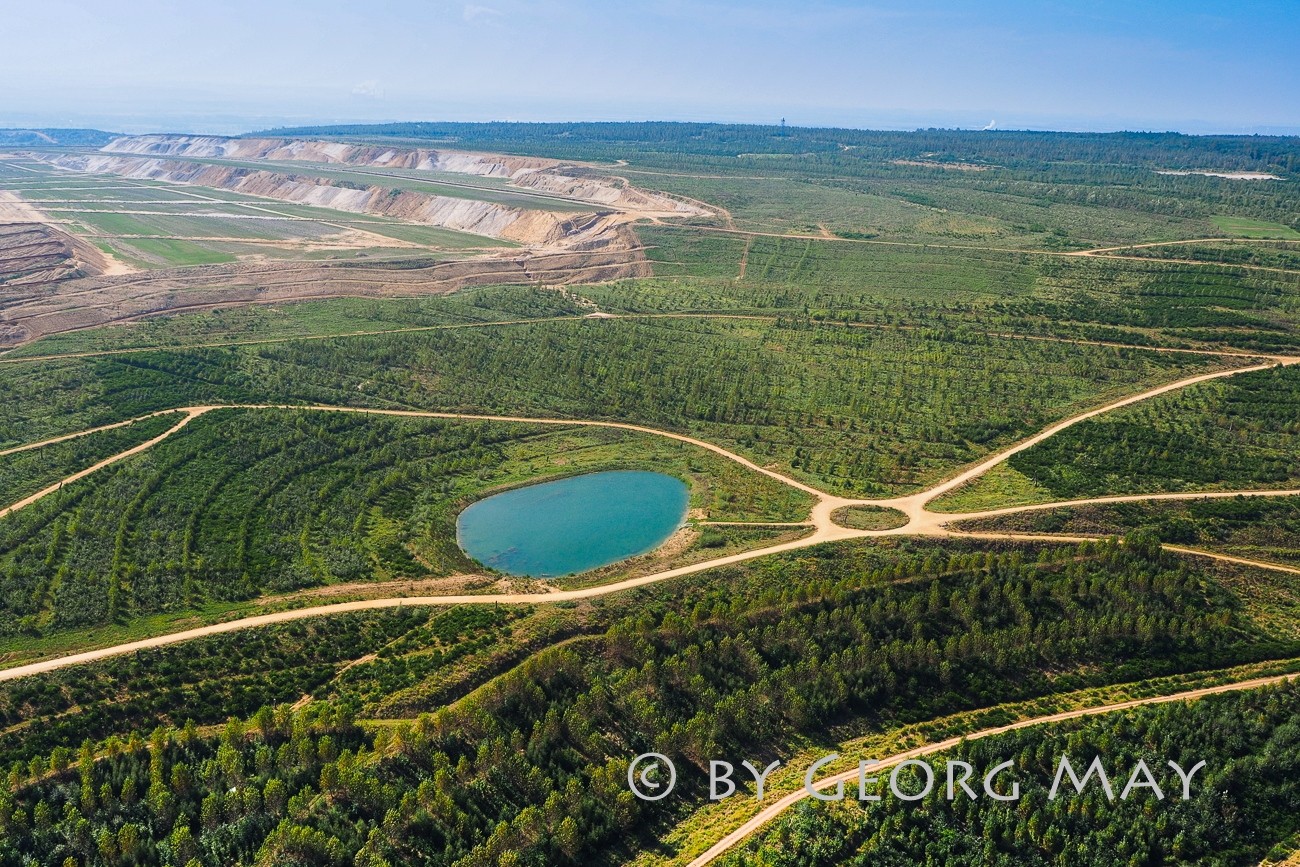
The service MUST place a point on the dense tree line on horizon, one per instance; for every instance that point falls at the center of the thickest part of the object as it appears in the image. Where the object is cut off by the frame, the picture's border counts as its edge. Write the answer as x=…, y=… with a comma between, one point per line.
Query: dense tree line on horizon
x=1115, y=171
x=1153, y=149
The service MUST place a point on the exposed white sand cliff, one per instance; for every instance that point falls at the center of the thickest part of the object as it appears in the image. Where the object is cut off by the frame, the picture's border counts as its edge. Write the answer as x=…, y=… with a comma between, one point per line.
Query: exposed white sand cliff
x=534, y=173
x=613, y=201
x=534, y=227
x=65, y=286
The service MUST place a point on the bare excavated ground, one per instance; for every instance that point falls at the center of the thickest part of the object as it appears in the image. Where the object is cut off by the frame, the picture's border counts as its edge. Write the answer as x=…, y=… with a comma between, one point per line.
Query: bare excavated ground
x=70, y=305
x=32, y=253
x=61, y=283
x=36, y=256
x=268, y=168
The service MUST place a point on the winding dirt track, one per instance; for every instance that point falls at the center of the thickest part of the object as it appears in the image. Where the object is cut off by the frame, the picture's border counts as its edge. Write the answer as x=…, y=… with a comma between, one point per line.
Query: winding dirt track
x=914, y=505
x=921, y=521
x=768, y=814
x=81, y=433
x=189, y=416
x=1125, y=498
x=1228, y=558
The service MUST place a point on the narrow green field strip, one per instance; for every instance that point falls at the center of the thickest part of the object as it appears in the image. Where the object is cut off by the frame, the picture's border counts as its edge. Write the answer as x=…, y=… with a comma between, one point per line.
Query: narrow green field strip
x=232, y=203
x=215, y=225
x=1243, y=227
x=171, y=252
x=141, y=207
x=527, y=201
x=434, y=236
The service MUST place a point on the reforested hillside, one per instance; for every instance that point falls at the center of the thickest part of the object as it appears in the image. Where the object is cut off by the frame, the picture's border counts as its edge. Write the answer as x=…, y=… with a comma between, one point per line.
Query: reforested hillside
x=238, y=625
x=1243, y=803
x=527, y=769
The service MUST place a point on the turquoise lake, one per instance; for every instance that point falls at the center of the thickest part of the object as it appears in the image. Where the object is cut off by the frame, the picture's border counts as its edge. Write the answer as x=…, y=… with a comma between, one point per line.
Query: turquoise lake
x=574, y=524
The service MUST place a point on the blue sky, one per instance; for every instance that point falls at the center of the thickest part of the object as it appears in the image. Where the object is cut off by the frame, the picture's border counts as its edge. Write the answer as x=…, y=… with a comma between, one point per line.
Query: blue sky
x=1228, y=66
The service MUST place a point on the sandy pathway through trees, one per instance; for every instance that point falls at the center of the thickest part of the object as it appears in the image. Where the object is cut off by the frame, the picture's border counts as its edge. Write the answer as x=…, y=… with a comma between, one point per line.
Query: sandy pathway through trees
x=189, y=415
x=82, y=433
x=1123, y=498
x=925, y=521
x=921, y=521
x=847, y=778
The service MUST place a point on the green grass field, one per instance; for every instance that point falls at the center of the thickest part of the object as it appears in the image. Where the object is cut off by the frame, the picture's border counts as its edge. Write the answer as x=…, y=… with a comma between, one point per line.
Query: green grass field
x=467, y=188
x=1241, y=227
x=869, y=518
x=150, y=224
x=172, y=252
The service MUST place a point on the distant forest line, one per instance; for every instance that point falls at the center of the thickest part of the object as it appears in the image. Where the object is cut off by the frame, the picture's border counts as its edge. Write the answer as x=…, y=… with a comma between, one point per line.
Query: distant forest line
x=1010, y=148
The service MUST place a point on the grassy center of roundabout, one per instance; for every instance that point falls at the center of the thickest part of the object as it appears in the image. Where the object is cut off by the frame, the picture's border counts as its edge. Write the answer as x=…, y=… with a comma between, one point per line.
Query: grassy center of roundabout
x=869, y=518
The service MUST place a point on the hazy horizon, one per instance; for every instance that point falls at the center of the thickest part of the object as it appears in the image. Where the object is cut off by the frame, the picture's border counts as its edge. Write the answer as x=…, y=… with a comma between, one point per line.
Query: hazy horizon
x=234, y=124
x=239, y=66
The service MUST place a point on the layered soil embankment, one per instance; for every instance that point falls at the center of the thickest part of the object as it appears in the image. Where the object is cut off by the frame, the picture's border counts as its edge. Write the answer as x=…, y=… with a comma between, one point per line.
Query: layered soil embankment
x=562, y=245
x=36, y=254
x=536, y=227
x=534, y=173
x=91, y=302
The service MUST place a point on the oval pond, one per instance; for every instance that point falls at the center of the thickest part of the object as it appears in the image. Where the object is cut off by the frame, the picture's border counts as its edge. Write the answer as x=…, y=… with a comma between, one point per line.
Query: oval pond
x=573, y=524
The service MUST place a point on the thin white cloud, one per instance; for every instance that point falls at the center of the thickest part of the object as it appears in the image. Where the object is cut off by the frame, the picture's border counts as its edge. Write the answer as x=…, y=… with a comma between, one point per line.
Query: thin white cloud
x=474, y=13
x=810, y=16
x=369, y=89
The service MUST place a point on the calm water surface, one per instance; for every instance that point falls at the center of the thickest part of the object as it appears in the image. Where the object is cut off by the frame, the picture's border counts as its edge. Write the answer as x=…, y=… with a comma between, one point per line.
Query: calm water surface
x=574, y=524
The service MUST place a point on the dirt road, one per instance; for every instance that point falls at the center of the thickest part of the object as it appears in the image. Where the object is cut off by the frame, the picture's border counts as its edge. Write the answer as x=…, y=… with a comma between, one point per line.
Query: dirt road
x=768, y=814
x=920, y=520
x=374, y=604
x=925, y=521
x=1125, y=498
x=82, y=433
x=190, y=415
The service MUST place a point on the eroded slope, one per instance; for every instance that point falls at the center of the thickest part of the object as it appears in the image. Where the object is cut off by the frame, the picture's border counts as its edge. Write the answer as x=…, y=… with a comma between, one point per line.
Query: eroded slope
x=543, y=175
x=579, y=230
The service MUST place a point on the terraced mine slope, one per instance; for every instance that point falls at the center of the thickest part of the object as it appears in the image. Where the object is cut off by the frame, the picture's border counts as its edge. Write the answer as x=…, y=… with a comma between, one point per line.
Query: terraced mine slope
x=36, y=253
x=202, y=222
